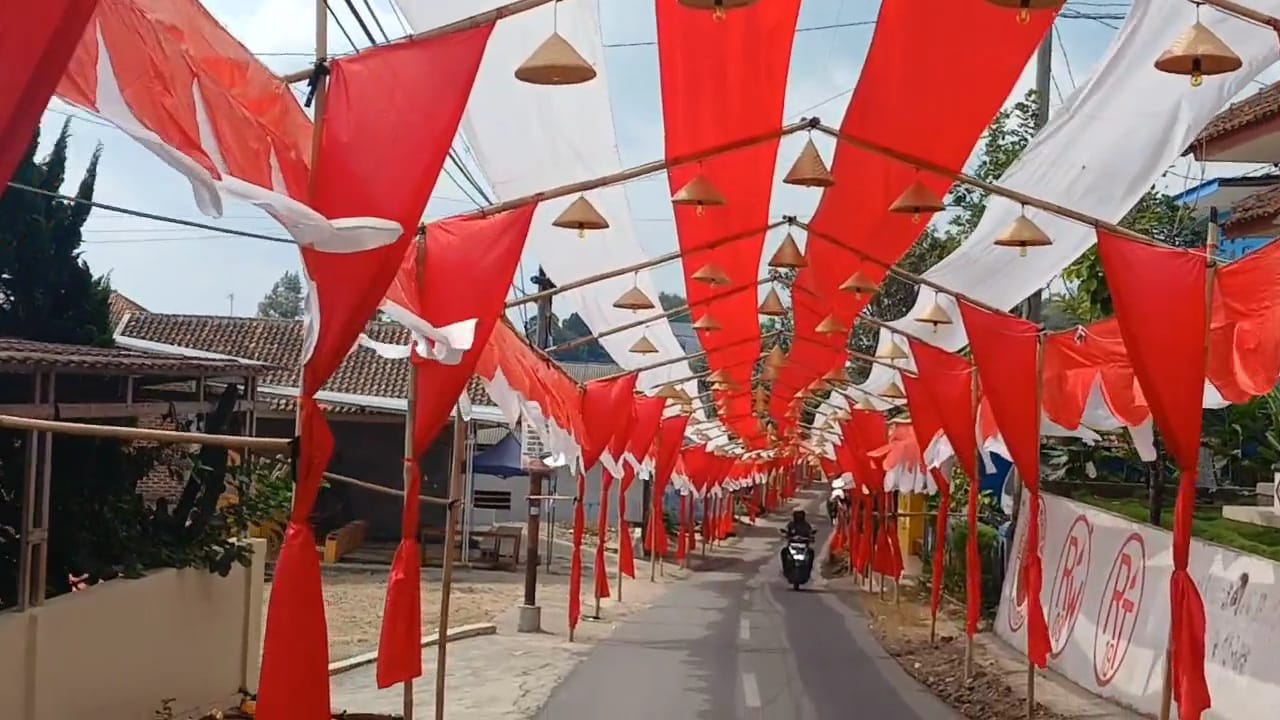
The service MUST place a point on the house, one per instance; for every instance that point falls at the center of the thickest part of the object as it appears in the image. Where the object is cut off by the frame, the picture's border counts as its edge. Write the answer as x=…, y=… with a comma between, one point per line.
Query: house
x=1249, y=203
x=365, y=402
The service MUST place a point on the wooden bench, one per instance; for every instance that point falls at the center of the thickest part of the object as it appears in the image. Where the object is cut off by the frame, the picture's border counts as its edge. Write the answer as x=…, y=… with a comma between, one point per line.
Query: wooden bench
x=490, y=543
x=343, y=540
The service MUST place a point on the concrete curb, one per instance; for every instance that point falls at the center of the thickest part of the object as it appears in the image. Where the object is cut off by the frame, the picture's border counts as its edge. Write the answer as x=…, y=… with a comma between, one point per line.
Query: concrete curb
x=459, y=633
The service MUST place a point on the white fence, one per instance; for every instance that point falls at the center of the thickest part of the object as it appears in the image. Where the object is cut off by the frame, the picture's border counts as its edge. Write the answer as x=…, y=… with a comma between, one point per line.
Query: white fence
x=1106, y=598
x=114, y=651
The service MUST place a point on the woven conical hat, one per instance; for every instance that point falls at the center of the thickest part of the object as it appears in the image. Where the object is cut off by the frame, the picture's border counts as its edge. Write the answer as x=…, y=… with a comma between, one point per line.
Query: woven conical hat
x=555, y=62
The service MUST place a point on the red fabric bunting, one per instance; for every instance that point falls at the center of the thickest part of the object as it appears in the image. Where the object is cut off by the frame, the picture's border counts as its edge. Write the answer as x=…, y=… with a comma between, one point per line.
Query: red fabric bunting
x=948, y=380
x=1160, y=299
x=36, y=43
x=295, y=675
x=915, y=45
x=449, y=243
x=355, y=176
x=701, y=109
x=360, y=172
x=575, y=562
x=927, y=425
x=626, y=553
x=1005, y=350
x=667, y=449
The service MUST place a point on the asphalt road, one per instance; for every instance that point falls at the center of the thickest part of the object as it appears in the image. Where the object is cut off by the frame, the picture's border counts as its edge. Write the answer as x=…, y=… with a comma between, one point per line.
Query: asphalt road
x=735, y=642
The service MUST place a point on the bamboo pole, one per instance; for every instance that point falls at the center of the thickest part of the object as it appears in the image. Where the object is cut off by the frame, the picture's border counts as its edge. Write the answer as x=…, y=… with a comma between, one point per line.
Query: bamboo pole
x=972, y=531
x=410, y=464
x=672, y=361
x=665, y=314
x=278, y=446
x=992, y=188
x=488, y=17
x=446, y=579
x=898, y=272
x=1245, y=13
x=382, y=489
x=640, y=171
x=637, y=267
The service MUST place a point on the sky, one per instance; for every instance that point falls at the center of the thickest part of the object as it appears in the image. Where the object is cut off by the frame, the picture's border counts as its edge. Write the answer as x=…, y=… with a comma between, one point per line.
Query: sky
x=183, y=270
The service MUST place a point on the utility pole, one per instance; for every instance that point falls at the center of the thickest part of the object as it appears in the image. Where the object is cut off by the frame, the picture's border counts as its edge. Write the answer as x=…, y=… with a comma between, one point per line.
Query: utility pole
x=1044, y=67
x=530, y=614
x=1044, y=77
x=231, y=304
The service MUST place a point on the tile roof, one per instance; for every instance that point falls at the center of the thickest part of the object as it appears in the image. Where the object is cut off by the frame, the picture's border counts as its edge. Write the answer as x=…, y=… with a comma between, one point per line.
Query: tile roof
x=279, y=342
x=1258, y=107
x=121, y=305
x=1258, y=206
x=19, y=354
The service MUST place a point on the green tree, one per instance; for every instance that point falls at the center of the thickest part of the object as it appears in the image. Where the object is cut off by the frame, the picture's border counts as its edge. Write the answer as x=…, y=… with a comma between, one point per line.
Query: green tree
x=284, y=299
x=47, y=292
x=671, y=301
x=1157, y=215
x=1007, y=136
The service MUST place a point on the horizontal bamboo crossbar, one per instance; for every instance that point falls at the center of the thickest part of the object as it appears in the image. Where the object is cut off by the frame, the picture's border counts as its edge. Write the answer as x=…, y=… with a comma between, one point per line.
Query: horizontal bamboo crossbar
x=118, y=432
x=665, y=314
x=637, y=267
x=999, y=190
x=640, y=171
x=382, y=489
x=487, y=17
x=898, y=272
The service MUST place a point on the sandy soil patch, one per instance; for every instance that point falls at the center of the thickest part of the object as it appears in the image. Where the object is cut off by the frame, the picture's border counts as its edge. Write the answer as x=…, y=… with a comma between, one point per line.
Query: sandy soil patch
x=353, y=602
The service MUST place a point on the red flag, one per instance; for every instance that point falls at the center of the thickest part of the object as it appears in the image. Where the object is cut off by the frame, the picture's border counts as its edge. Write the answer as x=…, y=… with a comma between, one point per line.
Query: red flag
x=1160, y=297
x=359, y=171
x=626, y=554
x=602, y=530
x=36, y=43
x=607, y=426
x=670, y=438
x=948, y=380
x=1006, y=351
x=383, y=105
x=924, y=418
x=575, y=564
x=296, y=647
x=450, y=244
x=647, y=413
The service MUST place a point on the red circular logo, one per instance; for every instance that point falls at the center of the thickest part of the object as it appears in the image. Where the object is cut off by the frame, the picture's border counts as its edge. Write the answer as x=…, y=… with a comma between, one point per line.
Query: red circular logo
x=1069, y=583
x=1018, y=599
x=1118, y=611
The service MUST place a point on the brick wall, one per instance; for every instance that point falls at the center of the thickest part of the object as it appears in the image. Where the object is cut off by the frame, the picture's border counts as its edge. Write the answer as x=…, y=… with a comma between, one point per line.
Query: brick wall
x=165, y=479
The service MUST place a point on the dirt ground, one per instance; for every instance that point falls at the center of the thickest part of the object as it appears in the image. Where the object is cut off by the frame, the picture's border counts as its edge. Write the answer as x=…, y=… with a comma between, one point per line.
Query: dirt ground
x=353, y=603
x=903, y=631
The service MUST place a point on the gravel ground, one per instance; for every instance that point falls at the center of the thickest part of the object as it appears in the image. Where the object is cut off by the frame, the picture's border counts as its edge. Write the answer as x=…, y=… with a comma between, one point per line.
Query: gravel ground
x=353, y=603
x=903, y=631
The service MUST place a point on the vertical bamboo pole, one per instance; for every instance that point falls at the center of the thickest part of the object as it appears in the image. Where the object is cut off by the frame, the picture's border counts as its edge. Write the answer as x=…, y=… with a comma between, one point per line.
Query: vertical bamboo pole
x=655, y=514
x=1031, y=667
x=622, y=522
x=410, y=458
x=446, y=580
x=974, y=481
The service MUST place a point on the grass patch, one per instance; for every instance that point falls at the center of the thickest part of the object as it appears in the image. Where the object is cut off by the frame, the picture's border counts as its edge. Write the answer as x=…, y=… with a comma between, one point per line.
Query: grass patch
x=1208, y=525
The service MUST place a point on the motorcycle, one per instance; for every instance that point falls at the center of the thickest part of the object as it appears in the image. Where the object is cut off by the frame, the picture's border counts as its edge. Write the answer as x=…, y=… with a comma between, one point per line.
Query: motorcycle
x=797, y=560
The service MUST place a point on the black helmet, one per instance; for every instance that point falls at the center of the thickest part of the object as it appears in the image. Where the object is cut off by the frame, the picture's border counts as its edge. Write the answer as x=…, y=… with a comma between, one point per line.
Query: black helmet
x=797, y=515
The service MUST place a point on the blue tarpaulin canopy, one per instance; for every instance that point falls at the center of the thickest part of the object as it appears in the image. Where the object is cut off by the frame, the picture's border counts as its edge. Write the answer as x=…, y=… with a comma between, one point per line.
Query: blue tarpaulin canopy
x=501, y=460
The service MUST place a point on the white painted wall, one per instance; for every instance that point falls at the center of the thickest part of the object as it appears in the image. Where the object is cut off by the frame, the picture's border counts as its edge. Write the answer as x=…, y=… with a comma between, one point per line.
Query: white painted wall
x=1106, y=598
x=113, y=651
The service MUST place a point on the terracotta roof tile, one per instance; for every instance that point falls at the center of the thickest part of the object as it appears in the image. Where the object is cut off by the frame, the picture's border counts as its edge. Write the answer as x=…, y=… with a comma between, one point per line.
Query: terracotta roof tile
x=1259, y=107
x=1257, y=206
x=121, y=305
x=279, y=342
x=18, y=353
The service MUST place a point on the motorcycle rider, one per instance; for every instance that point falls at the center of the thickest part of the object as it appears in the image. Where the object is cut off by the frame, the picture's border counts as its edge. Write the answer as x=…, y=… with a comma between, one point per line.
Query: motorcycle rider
x=798, y=529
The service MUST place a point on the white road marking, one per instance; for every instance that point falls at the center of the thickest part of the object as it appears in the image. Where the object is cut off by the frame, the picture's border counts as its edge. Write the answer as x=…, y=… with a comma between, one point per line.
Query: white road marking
x=744, y=629
x=750, y=690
